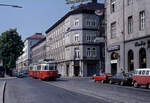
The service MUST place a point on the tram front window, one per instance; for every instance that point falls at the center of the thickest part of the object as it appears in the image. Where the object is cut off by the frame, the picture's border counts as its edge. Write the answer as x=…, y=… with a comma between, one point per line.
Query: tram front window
x=52, y=67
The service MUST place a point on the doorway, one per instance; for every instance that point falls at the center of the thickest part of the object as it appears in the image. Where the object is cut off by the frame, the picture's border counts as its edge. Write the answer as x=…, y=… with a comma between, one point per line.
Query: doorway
x=114, y=68
x=130, y=61
x=67, y=69
x=142, y=58
x=76, y=71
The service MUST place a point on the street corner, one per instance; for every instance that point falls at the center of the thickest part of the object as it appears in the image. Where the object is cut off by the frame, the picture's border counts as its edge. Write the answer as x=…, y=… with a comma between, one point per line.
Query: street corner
x=2, y=89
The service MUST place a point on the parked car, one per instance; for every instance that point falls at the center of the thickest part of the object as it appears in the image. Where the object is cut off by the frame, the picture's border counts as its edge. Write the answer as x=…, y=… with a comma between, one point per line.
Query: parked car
x=121, y=78
x=20, y=75
x=58, y=75
x=102, y=77
x=99, y=77
x=141, y=77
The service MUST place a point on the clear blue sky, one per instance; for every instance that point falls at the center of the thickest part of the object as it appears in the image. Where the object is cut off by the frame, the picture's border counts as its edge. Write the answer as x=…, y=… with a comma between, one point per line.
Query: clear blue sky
x=35, y=16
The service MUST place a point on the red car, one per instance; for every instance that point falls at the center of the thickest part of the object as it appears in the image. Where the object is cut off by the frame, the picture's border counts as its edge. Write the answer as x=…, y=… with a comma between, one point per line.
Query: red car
x=100, y=77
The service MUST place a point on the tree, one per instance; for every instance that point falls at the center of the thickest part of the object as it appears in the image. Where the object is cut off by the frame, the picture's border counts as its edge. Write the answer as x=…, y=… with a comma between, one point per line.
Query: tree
x=11, y=47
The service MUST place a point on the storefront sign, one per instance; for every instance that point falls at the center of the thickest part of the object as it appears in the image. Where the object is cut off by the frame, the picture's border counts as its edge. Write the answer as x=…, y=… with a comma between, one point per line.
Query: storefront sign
x=141, y=43
x=114, y=61
x=113, y=48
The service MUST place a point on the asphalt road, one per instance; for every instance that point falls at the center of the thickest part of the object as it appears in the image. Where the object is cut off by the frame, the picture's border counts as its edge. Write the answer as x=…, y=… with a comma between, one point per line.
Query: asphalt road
x=71, y=90
x=28, y=90
x=106, y=92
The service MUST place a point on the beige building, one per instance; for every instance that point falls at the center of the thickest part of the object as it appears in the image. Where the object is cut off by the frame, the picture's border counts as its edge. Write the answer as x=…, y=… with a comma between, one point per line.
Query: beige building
x=24, y=60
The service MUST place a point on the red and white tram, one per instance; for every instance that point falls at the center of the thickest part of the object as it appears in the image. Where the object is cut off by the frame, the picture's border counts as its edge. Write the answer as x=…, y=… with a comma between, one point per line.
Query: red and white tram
x=44, y=71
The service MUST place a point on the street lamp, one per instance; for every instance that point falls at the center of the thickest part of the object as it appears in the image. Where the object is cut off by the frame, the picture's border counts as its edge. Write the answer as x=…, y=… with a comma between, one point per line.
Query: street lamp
x=15, y=6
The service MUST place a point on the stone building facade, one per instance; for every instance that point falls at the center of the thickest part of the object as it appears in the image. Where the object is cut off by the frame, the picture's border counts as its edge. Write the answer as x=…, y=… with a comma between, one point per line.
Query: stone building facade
x=128, y=35
x=39, y=51
x=70, y=41
x=25, y=59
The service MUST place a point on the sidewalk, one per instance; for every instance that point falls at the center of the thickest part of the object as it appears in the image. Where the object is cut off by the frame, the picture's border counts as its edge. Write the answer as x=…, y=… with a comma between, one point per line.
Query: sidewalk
x=2, y=86
x=7, y=77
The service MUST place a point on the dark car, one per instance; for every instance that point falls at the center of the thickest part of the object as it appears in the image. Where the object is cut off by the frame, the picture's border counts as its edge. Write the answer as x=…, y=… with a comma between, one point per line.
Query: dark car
x=58, y=75
x=20, y=75
x=121, y=78
x=2, y=71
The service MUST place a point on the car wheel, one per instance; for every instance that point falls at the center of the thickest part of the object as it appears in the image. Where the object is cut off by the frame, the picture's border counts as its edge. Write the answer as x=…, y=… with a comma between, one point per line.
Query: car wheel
x=121, y=83
x=148, y=86
x=136, y=85
x=110, y=81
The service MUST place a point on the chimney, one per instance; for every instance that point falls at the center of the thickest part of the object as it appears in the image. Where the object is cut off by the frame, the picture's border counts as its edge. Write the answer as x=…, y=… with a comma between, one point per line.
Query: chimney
x=94, y=1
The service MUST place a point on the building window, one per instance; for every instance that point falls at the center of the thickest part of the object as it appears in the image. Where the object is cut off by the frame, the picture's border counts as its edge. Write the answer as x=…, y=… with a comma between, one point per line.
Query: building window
x=93, y=23
x=88, y=53
x=129, y=2
x=142, y=20
x=112, y=6
x=76, y=53
x=76, y=37
x=90, y=37
x=113, y=30
x=93, y=52
x=88, y=23
x=130, y=25
x=76, y=23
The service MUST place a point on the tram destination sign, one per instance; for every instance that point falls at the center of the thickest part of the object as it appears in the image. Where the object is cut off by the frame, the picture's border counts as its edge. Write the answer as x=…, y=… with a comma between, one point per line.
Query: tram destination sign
x=75, y=1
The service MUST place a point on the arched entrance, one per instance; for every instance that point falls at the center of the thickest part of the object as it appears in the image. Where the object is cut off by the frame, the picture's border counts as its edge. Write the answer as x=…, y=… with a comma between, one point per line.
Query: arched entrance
x=130, y=61
x=142, y=58
x=114, y=61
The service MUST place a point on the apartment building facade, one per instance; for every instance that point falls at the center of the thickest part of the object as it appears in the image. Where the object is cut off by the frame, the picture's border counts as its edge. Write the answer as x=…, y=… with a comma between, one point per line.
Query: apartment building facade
x=128, y=35
x=39, y=51
x=70, y=41
x=25, y=59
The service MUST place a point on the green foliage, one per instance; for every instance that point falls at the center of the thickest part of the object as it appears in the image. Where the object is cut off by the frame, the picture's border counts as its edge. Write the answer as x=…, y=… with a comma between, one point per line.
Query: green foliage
x=11, y=47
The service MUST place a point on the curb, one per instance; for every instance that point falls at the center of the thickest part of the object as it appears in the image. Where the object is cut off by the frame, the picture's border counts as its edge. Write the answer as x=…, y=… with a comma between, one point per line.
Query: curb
x=3, y=92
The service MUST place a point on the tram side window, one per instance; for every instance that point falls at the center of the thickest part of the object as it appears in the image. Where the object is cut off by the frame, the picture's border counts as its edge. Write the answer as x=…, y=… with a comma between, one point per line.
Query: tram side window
x=140, y=72
x=147, y=72
x=46, y=68
x=143, y=72
x=38, y=67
